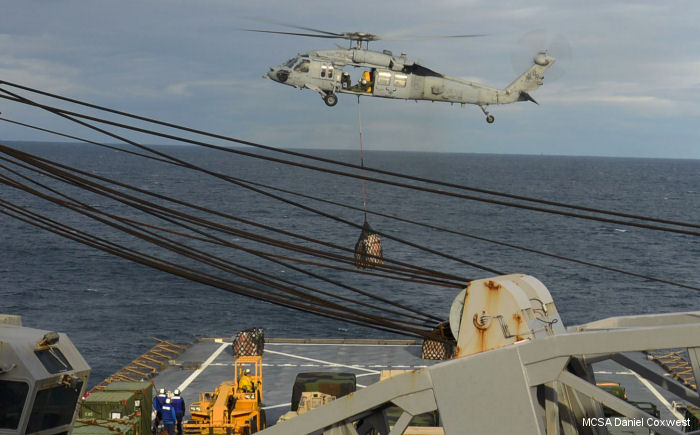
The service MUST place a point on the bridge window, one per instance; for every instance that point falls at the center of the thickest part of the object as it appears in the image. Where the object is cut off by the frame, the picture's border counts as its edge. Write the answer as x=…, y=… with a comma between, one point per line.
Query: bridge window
x=383, y=78
x=400, y=80
x=53, y=360
x=54, y=407
x=12, y=397
x=303, y=66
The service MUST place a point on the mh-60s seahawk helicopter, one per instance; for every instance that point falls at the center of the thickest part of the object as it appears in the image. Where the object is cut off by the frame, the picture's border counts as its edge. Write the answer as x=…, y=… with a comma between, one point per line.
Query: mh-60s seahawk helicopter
x=389, y=76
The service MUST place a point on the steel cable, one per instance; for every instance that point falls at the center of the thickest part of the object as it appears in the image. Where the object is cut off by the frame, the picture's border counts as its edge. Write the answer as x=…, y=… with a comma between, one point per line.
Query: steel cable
x=393, y=217
x=349, y=165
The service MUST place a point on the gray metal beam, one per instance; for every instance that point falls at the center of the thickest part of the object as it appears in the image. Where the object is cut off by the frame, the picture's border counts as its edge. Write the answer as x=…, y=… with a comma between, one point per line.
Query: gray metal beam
x=468, y=391
x=401, y=423
x=662, y=381
x=623, y=407
x=640, y=321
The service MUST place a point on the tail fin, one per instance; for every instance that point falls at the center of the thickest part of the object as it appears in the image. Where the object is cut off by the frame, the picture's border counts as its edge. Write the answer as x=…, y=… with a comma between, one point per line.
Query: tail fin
x=532, y=78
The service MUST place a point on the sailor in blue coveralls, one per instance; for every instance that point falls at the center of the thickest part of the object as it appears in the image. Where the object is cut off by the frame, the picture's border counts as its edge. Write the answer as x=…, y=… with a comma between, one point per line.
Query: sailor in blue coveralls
x=158, y=403
x=169, y=418
x=179, y=405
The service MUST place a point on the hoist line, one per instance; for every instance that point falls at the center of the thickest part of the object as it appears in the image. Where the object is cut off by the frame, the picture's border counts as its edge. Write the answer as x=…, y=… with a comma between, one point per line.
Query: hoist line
x=397, y=218
x=350, y=165
x=224, y=177
x=361, y=292
x=198, y=276
x=382, y=181
x=362, y=160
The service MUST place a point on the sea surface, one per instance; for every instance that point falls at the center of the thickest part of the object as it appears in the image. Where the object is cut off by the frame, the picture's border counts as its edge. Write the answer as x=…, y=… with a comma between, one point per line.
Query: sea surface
x=111, y=308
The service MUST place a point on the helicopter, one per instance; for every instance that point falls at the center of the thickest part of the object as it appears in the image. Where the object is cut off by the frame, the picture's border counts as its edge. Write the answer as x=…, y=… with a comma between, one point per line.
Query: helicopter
x=388, y=76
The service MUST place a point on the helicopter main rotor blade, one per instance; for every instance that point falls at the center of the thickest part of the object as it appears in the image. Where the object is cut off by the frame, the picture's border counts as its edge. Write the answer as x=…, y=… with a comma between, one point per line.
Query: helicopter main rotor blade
x=425, y=38
x=294, y=33
x=352, y=36
x=294, y=26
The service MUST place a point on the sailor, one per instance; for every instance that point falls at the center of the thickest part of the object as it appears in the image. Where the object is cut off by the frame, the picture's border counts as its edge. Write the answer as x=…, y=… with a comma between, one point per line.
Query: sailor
x=169, y=417
x=345, y=81
x=179, y=405
x=366, y=81
x=245, y=384
x=158, y=403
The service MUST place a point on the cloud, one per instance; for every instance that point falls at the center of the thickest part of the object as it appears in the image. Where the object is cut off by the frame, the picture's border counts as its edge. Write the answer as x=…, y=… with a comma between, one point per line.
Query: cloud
x=185, y=88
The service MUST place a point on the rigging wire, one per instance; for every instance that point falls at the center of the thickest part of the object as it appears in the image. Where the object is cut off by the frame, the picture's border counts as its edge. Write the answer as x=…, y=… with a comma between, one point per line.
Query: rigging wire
x=63, y=112
x=335, y=162
x=393, y=217
x=186, y=251
x=194, y=275
x=68, y=176
x=362, y=176
x=224, y=177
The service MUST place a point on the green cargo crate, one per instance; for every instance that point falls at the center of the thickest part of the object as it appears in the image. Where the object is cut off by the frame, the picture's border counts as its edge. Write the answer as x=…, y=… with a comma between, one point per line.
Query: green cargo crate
x=101, y=426
x=108, y=404
x=143, y=404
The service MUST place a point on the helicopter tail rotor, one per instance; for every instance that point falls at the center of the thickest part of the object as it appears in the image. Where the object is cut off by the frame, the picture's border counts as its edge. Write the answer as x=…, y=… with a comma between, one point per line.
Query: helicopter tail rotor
x=540, y=41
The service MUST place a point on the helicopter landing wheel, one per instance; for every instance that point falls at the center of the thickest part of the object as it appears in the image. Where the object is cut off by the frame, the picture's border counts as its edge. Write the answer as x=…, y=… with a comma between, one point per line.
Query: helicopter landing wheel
x=490, y=119
x=331, y=100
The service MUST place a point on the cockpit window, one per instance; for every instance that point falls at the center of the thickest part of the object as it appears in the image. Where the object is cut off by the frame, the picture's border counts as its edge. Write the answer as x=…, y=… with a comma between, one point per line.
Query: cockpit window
x=303, y=66
x=290, y=63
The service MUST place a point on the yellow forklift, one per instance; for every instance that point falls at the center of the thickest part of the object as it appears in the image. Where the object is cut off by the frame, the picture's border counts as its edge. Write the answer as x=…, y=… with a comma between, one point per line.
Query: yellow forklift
x=235, y=407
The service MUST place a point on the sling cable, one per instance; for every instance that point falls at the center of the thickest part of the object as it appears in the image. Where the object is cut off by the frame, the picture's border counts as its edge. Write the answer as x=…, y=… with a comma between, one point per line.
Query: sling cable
x=368, y=249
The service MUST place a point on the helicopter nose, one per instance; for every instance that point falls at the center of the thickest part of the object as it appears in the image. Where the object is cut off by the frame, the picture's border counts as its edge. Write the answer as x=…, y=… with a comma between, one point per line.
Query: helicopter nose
x=268, y=75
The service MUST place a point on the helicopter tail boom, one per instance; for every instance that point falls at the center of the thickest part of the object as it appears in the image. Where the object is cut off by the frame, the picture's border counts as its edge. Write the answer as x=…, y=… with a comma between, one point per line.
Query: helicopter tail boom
x=531, y=79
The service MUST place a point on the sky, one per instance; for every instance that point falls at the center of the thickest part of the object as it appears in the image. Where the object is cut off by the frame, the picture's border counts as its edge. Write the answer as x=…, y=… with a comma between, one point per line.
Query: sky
x=630, y=88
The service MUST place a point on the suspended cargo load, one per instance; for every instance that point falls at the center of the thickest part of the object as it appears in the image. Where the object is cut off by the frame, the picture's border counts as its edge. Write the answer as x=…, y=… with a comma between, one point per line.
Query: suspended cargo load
x=441, y=347
x=368, y=249
x=249, y=342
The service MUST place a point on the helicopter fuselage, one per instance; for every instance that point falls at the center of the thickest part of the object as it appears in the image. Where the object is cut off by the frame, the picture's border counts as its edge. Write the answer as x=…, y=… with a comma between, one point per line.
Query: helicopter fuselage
x=388, y=76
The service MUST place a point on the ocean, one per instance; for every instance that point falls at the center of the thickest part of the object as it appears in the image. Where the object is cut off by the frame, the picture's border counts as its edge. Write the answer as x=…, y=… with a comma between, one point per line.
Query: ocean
x=111, y=308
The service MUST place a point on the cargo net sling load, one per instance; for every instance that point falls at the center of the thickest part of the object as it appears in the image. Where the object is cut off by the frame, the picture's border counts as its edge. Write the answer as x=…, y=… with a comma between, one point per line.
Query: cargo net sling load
x=368, y=249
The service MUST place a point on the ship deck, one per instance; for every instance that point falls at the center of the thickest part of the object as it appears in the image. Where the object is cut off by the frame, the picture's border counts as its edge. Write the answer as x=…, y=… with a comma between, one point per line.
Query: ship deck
x=208, y=362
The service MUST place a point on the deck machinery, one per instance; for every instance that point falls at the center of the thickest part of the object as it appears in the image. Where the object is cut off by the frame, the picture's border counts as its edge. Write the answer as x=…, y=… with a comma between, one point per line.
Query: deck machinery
x=516, y=369
x=235, y=407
